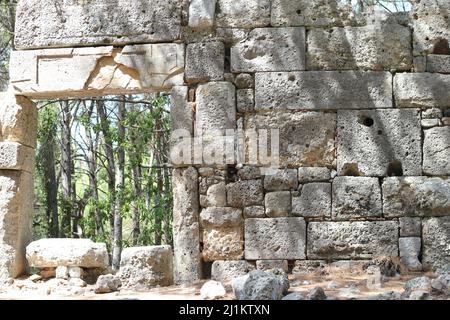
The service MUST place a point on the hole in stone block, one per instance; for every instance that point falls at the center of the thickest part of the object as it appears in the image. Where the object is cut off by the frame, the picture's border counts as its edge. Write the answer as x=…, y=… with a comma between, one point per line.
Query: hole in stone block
x=206, y=270
x=299, y=11
x=441, y=46
x=380, y=132
x=351, y=169
x=366, y=121
x=291, y=78
x=395, y=169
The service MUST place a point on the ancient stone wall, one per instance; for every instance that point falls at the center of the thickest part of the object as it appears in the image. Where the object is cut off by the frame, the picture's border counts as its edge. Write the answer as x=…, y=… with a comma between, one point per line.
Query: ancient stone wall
x=361, y=105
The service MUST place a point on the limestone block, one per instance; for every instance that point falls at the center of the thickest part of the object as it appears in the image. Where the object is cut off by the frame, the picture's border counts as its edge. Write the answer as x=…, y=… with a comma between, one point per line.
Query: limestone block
x=352, y=240
x=245, y=193
x=313, y=174
x=185, y=196
x=431, y=26
x=224, y=243
x=437, y=63
x=14, y=156
x=18, y=120
x=410, y=227
x=306, y=138
x=379, y=142
x=44, y=23
x=278, y=204
x=436, y=151
x=181, y=111
x=415, y=196
x=272, y=264
x=146, y=267
x=205, y=62
x=276, y=238
x=16, y=208
x=216, y=109
x=436, y=239
x=314, y=201
x=243, y=13
x=249, y=173
x=270, y=49
x=227, y=270
x=62, y=272
x=47, y=253
x=372, y=47
x=221, y=217
x=432, y=113
x=317, y=90
x=244, y=81
x=318, y=13
x=410, y=252
x=201, y=13
x=216, y=196
x=254, y=212
x=100, y=70
x=282, y=179
x=245, y=100
x=422, y=90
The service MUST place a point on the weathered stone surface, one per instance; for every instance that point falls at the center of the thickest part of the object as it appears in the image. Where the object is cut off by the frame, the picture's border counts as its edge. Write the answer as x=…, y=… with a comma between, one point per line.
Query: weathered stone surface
x=435, y=246
x=16, y=208
x=317, y=293
x=216, y=195
x=42, y=23
x=185, y=225
x=107, y=283
x=212, y=290
x=317, y=90
x=430, y=123
x=18, y=120
x=372, y=47
x=258, y=285
x=146, y=267
x=277, y=238
x=272, y=264
x=181, y=113
x=227, y=270
x=221, y=217
x=244, y=81
x=243, y=13
x=422, y=90
x=249, y=173
x=223, y=243
x=436, y=151
x=410, y=252
x=314, y=201
x=352, y=240
x=431, y=26
x=379, y=142
x=254, y=212
x=201, y=13
x=245, y=99
x=216, y=109
x=410, y=227
x=306, y=139
x=205, y=62
x=356, y=198
x=415, y=196
x=46, y=253
x=438, y=63
x=270, y=49
x=320, y=13
x=14, y=156
x=245, y=193
x=282, y=179
x=278, y=204
x=313, y=174
x=99, y=70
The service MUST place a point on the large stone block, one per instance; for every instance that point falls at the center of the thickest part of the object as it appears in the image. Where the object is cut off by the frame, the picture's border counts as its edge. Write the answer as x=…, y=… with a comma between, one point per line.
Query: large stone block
x=422, y=90
x=276, y=238
x=181, y=112
x=201, y=13
x=14, y=156
x=435, y=246
x=410, y=251
x=186, y=254
x=270, y=49
x=243, y=13
x=431, y=24
x=278, y=204
x=352, y=240
x=146, y=267
x=18, y=120
x=317, y=90
x=306, y=138
x=318, y=13
x=436, y=151
x=314, y=201
x=223, y=243
x=416, y=196
x=372, y=47
x=216, y=107
x=227, y=270
x=71, y=23
x=379, y=142
x=282, y=179
x=438, y=63
x=16, y=208
x=221, y=217
x=245, y=193
x=205, y=62
x=52, y=253
x=313, y=174
x=97, y=71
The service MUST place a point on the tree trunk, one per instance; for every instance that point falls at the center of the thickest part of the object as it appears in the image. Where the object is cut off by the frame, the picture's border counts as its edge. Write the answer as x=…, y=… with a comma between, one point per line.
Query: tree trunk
x=66, y=169
x=50, y=185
